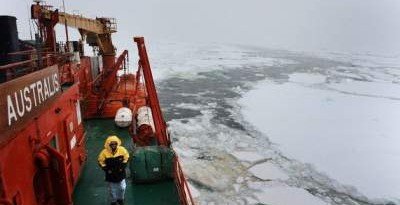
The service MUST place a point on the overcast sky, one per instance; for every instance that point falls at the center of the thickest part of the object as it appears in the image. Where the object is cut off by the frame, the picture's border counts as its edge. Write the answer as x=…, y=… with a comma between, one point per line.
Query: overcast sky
x=333, y=25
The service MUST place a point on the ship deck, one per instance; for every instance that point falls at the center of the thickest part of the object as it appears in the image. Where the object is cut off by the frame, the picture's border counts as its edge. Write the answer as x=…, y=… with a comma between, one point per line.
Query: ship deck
x=91, y=187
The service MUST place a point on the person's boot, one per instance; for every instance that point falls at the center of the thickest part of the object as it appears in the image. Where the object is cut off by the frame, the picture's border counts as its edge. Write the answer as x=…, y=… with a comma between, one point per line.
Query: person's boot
x=120, y=201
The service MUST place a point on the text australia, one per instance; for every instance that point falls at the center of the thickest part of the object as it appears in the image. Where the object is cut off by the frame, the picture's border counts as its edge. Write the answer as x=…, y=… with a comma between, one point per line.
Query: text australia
x=31, y=96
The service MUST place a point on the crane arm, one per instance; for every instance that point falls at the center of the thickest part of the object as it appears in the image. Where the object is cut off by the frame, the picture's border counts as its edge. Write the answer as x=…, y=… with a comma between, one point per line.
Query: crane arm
x=89, y=25
x=97, y=30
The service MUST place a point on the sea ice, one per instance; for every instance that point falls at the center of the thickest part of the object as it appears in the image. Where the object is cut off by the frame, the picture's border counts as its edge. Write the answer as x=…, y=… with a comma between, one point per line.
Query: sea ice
x=287, y=196
x=308, y=78
x=352, y=138
x=268, y=171
x=247, y=156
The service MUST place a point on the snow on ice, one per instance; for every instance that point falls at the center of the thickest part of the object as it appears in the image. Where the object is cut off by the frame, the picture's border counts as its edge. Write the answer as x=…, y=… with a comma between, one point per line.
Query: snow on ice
x=352, y=136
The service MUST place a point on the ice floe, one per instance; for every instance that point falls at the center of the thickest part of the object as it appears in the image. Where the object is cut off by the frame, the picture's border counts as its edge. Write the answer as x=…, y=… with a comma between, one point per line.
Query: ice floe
x=351, y=137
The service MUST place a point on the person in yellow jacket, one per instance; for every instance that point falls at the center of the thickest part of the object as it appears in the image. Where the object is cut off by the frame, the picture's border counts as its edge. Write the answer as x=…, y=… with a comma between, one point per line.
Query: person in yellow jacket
x=113, y=159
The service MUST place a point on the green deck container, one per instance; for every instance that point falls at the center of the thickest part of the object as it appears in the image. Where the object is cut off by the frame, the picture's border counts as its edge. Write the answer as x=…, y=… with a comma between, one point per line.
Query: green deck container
x=138, y=166
x=152, y=163
x=167, y=160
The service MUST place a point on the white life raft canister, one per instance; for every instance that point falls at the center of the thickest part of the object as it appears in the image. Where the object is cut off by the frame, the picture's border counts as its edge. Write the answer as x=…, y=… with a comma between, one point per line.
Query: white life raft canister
x=123, y=118
x=145, y=116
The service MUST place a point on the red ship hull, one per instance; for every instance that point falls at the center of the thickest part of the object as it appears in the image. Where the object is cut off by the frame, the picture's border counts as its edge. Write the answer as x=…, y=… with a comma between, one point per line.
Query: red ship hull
x=42, y=156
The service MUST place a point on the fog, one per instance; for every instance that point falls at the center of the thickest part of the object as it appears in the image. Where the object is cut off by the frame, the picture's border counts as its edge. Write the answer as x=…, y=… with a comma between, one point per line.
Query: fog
x=356, y=26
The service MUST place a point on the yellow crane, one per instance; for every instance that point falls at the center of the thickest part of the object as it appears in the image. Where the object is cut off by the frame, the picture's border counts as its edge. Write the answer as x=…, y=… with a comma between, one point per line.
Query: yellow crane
x=97, y=32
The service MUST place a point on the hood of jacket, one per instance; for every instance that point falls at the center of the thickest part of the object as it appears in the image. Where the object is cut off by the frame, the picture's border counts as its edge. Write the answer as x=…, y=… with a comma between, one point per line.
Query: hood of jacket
x=110, y=139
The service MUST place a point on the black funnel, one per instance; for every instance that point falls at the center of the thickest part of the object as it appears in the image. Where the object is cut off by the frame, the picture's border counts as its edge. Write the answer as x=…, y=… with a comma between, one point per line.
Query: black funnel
x=8, y=39
x=8, y=43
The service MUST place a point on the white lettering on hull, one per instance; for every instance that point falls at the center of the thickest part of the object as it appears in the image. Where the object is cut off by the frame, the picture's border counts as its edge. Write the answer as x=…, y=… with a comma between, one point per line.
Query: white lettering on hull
x=38, y=92
x=11, y=110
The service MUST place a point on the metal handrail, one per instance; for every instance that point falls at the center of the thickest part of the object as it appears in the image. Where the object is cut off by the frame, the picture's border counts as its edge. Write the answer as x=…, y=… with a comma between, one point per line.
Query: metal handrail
x=185, y=197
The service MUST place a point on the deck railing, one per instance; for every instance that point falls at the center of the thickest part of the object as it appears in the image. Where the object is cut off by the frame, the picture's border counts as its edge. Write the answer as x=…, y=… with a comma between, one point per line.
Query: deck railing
x=185, y=196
